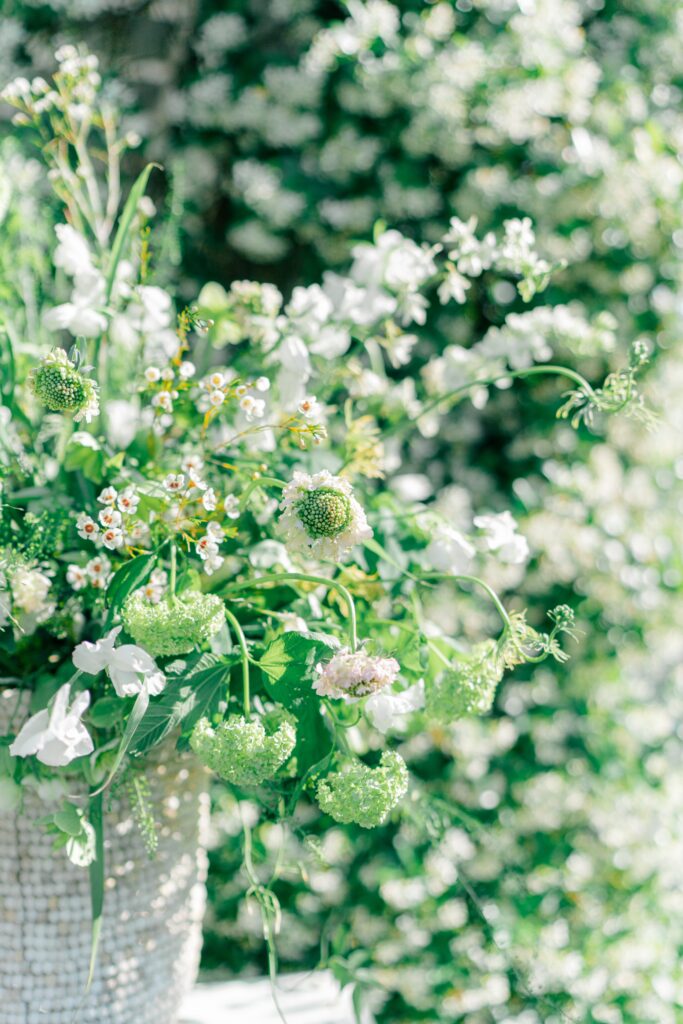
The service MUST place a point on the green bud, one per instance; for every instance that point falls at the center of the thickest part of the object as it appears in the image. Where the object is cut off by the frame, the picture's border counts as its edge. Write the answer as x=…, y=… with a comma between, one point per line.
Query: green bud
x=325, y=512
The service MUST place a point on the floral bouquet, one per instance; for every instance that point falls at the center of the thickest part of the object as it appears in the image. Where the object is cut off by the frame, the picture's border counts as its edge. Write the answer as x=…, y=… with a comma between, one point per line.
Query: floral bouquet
x=199, y=558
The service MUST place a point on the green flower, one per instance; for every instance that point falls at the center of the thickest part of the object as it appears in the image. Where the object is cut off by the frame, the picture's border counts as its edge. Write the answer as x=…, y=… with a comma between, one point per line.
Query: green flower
x=325, y=512
x=175, y=625
x=364, y=795
x=62, y=388
x=243, y=752
x=468, y=688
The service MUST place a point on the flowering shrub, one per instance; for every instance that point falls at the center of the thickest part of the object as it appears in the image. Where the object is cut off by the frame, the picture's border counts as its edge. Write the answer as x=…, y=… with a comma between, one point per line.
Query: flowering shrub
x=219, y=510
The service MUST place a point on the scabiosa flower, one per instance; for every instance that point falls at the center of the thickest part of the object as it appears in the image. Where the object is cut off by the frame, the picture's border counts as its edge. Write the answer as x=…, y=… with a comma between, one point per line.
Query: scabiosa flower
x=174, y=626
x=468, y=688
x=243, y=752
x=364, y=795
x=320, y=515
x=354, y=674
x=62, y=388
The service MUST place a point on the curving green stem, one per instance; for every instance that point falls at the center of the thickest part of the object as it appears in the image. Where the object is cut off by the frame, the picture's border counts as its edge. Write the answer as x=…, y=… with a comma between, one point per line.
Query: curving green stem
x=281, y=577
x=477, y=582
x=262, y=481
x=245, y=660
x=533, y=371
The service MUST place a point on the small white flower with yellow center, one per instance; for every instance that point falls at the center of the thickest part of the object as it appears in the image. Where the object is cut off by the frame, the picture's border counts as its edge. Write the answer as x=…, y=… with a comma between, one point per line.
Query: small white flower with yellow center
x=174, y=482
x=253, y=408
x=209, y=499
x=107, y=496
x=231, y=506
x=99, y=571
x=112, y=538
x=309, y=408
x=152, y=374
x=216, y=398
x=87, y=527
x=128, y=501
x=109, y=517
x=76, y=577
x=319, y=515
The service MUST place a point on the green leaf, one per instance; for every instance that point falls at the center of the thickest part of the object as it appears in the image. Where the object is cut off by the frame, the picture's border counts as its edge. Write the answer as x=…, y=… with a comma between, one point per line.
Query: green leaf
x=86, y=459
x=69, y=820
x=106, y=711
x=7, y=370
x=185, y=699
x=125, y=221
x=127, y=579
x=134, y=719
x=288, y=667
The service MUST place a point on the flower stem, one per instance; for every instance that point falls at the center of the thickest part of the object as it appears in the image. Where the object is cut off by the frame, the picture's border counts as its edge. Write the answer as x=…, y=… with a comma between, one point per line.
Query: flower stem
x=172, y=584
x=245, y=660
x=477, y=582
x=282, y=577
x=534, y=371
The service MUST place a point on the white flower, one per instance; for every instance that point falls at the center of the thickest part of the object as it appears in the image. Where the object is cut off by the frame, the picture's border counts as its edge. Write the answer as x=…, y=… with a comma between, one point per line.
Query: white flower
x=354, y=674
x=112, y=538
x=192, y=463
x=56, y=734
x=152, y=374
x=187, y=369
x=262, y=384
x=163, y=400
x=212, y=563
x=76, y=577
x=87, y=527
x=388, y=711
x=109, y=517
x=231, y=506
x=320, y=515
x=99, y=571
x=155, y=587
x=81, y=316
x=30, y=589
x=108, y=496
x=216, y=398
x=73, y=252
x=253, y=408
x=454, y=286
x=128, y=501
x=129, y=667
x=309, y=408
x=209, y=499
x=448, y=551
x=501, y=536
x=174, y=482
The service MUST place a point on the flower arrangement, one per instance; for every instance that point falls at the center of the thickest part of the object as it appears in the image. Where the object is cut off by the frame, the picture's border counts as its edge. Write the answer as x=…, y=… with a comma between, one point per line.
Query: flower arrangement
x=191, y=565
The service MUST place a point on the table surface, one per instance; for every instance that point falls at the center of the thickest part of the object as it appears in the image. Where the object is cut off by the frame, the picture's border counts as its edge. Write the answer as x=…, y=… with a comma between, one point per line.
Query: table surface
x=303, y=998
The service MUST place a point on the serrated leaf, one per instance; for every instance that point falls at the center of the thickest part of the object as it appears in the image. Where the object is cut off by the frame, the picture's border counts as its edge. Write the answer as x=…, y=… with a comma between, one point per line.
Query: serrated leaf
x=184, y=700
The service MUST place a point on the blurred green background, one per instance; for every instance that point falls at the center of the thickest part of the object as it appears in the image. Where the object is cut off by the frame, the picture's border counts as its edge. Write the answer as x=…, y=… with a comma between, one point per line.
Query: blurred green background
x=536, y=875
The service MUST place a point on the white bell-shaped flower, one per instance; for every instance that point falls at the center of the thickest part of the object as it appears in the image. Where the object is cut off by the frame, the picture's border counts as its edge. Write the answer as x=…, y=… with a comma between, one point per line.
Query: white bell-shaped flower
x=56, y=734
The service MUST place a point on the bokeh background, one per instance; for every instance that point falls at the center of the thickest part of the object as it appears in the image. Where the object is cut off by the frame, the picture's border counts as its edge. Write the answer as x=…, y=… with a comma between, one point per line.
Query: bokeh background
x=537, y=877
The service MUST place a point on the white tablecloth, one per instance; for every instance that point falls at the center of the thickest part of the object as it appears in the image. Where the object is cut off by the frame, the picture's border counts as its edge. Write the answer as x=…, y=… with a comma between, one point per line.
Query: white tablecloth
x=304, y=999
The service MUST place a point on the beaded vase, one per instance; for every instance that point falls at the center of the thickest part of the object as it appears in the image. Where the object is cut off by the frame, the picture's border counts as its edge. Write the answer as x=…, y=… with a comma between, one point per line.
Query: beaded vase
x=151, y=929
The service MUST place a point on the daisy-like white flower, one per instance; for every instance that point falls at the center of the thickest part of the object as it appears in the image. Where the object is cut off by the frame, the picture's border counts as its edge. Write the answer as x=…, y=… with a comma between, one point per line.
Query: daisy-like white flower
x=155, y=586
x=209, y=499
x=109, y=517
x=174, y=482
x=76, y=577
x=87, y=527
x=253, y=408
x=192, y=463
x=320, y=515
x=99, y=571
x=112, y=538
x=163, y=400
x=355, y=674
x=187, y=370
x=107, y=496
x=262, y=384
x=129, y=667
x=215, y=380
x=152, y=374
x=216, y=398
x=128, y=501
x=231, y=506
x=309, y=408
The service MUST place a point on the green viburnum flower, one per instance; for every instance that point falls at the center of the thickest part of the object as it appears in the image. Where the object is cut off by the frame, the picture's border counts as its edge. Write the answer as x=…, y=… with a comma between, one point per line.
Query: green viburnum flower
x=175, y=625
x=243, y=752
x=62, y=388
x=364, y=795
x=468, y=688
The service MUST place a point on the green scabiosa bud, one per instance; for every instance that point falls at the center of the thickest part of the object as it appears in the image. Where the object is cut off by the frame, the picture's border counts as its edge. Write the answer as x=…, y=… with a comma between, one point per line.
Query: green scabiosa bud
x=364, y=795
x=175, y=625
x=62, y=388
x=320, y=515
x=324, y=512
x=243, y=752
x=468, y=688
